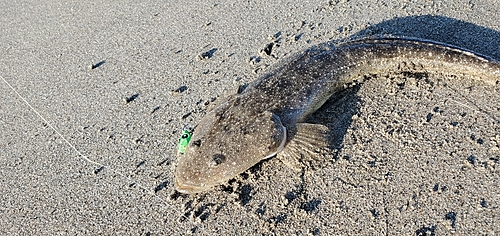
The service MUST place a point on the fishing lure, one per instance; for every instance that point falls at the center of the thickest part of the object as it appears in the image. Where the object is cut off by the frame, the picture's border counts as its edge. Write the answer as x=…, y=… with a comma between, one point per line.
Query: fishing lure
x=186, y=135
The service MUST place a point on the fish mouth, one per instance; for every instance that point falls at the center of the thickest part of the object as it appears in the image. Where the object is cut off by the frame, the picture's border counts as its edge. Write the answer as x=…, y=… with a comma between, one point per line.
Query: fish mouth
x=189, y=189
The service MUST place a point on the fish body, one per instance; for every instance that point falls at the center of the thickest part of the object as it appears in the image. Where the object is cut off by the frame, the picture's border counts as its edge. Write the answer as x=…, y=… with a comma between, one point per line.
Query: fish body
x=264, y=119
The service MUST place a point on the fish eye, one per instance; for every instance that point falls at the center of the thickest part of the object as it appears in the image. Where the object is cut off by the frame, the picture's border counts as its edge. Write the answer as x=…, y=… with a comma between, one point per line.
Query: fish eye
x=197, y=143
x=184, y=136
x=217, y=159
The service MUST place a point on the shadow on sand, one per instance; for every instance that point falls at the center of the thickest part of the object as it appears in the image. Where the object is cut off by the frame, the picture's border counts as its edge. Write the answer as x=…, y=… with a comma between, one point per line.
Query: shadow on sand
x=338, y=111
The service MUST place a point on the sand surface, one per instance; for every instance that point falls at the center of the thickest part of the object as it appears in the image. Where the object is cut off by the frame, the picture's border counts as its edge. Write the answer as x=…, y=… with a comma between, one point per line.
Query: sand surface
x=115, y=82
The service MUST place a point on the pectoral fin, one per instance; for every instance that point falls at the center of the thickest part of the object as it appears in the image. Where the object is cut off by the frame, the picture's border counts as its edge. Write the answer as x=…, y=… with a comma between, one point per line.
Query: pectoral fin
x=308, y=148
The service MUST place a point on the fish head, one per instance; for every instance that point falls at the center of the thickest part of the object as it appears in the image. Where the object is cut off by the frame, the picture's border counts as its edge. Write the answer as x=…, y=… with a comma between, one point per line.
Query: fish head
x=225, y=143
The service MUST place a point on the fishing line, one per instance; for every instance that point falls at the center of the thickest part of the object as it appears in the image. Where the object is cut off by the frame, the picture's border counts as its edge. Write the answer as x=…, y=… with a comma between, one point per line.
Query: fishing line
x=85, y=158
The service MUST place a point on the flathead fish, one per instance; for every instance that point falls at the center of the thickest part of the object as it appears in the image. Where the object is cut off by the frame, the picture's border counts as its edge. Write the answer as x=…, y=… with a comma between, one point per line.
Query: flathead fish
x=267, y=117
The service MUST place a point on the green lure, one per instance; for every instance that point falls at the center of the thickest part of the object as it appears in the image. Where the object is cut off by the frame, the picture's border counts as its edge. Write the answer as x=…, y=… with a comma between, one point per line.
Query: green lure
x=184, y=140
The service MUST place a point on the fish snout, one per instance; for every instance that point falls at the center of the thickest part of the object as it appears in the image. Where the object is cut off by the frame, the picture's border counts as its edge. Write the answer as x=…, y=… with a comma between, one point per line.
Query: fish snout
x=186, y=188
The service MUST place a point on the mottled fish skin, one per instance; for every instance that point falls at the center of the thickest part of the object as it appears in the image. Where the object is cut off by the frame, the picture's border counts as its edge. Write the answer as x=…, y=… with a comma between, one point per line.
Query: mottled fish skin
x=248, y=127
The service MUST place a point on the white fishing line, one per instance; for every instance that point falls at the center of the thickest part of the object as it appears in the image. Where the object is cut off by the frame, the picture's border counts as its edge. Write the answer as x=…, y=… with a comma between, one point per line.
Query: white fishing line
x=80, y=155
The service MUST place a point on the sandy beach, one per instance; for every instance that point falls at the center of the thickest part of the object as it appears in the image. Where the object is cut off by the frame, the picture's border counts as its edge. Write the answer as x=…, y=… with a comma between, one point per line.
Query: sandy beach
x=94, y=96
